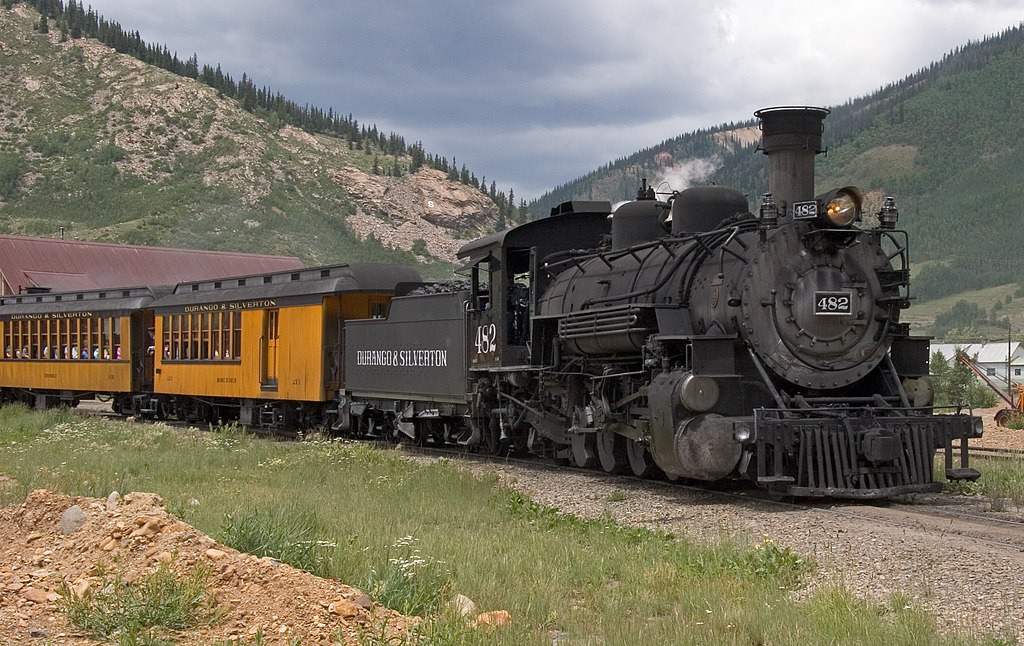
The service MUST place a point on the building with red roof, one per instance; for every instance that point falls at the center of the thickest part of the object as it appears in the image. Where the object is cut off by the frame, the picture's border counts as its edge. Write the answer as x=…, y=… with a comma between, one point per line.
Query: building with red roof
x=50, y=265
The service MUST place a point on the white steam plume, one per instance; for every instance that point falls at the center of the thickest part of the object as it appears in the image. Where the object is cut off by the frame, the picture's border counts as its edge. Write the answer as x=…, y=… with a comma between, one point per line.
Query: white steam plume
x=684, y=174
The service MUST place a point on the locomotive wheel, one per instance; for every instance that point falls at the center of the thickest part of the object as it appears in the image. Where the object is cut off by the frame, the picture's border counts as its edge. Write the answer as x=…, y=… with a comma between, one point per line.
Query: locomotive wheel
x=640, y=461
x=611, y=452
x=421, y=429
x=584, y=450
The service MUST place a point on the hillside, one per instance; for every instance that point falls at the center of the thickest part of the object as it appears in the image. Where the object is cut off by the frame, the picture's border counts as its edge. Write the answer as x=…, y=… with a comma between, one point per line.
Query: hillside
x=945, y=141
x=113, y=149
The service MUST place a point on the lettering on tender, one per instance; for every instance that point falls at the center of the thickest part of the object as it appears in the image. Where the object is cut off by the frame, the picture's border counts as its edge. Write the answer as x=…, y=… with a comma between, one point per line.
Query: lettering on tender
x=403, y=358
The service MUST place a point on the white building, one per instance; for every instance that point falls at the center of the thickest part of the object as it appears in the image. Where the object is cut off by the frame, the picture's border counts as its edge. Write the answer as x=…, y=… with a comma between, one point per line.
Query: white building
x=991, y=358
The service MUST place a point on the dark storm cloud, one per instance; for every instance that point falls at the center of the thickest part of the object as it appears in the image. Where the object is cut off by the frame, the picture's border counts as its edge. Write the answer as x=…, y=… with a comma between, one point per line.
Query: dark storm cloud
x=534, y=93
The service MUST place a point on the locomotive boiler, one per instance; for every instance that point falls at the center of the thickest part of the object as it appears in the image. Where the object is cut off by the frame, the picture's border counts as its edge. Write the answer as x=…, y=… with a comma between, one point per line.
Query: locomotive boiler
x=709, y=343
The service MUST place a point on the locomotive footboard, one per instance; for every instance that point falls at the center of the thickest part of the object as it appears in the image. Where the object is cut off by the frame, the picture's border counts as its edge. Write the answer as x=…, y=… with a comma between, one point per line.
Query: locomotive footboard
x=855, y=453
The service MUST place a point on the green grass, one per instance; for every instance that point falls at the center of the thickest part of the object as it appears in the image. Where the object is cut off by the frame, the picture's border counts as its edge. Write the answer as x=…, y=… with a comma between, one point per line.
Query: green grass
x=138, y=613
x=1001, y=479
x=412, y=534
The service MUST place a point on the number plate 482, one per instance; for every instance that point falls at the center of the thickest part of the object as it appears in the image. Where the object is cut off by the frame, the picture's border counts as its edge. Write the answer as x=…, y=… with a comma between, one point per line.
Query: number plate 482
x=833, y=303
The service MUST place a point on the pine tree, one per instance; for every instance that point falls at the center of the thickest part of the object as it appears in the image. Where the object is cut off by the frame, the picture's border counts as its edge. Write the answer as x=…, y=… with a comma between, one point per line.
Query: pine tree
x=44, y=25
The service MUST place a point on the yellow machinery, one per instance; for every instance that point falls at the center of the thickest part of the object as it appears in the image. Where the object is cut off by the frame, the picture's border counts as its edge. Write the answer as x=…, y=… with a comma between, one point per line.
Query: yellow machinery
x=1015, y=398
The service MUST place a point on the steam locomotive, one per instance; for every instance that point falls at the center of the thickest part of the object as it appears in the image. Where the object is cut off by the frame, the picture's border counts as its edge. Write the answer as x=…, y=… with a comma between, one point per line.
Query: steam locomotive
x=694, y=338
x=686, y=337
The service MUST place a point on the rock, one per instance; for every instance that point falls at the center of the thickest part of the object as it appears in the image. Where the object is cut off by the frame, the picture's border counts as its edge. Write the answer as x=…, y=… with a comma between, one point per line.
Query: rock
x=494, y=618
x=464, y=605
x=72, y=520
x=81, y=587
x=38, y=633
x=33, y=536
x=150, y=528
x=344, y=608
x=215, y=553
x=424, y=206
x=35, y=595
x=113, y=500
x=363, y=601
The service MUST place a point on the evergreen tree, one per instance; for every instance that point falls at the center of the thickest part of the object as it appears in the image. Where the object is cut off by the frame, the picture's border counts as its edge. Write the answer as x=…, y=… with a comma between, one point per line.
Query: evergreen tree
x=44, y=25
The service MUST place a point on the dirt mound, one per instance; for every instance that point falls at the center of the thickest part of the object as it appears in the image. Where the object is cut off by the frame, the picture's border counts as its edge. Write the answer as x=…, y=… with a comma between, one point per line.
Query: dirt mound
x=53, y=538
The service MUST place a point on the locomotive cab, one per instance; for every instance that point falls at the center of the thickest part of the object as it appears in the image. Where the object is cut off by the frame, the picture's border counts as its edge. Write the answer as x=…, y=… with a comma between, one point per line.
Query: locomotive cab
x=507, y=271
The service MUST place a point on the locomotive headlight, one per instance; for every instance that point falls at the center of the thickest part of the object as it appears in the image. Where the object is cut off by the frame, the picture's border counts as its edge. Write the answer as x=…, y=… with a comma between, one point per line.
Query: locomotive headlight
x=842, y=206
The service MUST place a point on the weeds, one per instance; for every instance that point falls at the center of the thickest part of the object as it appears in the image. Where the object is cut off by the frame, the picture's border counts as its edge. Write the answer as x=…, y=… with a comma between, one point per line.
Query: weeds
x=1002, y=480
x=290, y=537
x=410, y=582
x=617, y=495
x=134, y=613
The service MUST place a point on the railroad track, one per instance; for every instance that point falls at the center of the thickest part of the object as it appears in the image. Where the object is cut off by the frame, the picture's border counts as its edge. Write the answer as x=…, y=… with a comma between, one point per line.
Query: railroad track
x=995, y=452
x=938, y=513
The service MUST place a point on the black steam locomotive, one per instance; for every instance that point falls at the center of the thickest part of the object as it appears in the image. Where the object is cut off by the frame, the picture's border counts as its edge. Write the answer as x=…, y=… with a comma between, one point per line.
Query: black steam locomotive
x=686, y=336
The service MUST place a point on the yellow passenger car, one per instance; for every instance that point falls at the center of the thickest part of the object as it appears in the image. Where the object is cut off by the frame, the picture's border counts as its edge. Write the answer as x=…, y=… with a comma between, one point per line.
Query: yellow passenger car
x=63, y=348
x=264, y=349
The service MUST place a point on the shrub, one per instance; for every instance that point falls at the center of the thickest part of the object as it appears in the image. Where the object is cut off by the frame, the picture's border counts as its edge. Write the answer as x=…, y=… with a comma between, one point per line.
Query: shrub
x=12, y=167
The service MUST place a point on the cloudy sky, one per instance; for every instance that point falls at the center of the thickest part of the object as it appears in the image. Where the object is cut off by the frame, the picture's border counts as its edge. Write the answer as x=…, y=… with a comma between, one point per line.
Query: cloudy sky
x=534, y=93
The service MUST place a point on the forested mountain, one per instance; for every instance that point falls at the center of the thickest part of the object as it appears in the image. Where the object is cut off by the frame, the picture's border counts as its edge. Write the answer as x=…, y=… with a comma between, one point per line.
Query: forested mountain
x=114, y=139
x=946, y=141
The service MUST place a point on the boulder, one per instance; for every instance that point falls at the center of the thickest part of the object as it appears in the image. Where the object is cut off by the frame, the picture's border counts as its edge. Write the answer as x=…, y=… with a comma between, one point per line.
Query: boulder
x=72, y=520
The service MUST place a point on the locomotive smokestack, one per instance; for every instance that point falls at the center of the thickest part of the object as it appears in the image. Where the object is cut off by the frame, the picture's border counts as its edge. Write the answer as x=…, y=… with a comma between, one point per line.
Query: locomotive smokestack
x=791, y=138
